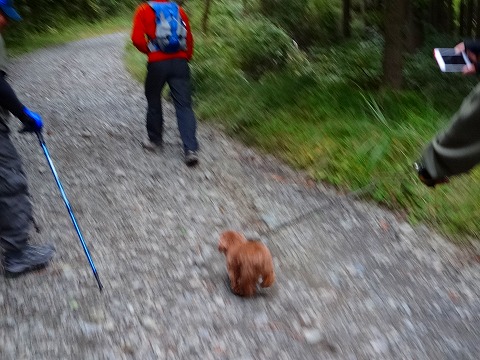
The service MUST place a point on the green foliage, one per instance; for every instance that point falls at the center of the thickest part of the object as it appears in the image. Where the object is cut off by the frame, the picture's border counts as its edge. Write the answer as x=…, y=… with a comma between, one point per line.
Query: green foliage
x=358, y=62
x=308, y=22
x=135, y=62
x=48, y=15
x=262, y=47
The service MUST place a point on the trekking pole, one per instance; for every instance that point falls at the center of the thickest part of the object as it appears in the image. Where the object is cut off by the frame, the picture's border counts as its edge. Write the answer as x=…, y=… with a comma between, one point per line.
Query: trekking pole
x=67, y=204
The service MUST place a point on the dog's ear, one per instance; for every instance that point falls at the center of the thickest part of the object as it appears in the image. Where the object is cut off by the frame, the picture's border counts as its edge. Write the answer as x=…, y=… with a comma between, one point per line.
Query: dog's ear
x=222, y=246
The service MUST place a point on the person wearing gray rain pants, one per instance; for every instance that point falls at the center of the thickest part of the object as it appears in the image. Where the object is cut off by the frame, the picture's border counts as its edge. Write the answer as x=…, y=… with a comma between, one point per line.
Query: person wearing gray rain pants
x=15, y=207
x=455, y=150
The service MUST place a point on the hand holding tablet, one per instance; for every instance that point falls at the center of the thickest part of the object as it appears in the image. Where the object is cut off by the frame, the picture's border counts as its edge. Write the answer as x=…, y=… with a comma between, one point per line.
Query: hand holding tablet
x=449, y=60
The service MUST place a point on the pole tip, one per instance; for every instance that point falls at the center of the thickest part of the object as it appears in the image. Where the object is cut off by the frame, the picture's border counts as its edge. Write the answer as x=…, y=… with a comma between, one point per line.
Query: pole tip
x=100, y=286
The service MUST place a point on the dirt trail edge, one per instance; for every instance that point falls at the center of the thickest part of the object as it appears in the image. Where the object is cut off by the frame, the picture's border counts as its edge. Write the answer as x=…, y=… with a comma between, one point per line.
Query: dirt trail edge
x=353, y=282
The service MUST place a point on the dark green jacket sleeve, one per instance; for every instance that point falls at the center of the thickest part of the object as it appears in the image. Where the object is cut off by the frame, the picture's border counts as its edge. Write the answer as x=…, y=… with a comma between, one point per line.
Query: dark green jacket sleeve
x=473, y=46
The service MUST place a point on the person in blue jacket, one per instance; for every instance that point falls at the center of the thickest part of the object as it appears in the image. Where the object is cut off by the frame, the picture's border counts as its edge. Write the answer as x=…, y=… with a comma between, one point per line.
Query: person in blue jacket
x=15, y=207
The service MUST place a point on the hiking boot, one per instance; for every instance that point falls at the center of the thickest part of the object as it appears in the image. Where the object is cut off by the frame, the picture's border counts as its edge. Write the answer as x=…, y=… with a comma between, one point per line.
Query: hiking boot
x=32, y=257
x=152, y=146
x=426, y=178
x=191, y=158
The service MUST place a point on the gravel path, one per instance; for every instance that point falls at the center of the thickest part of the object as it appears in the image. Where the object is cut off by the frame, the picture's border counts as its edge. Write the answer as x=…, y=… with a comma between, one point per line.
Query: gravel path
x=353, y=281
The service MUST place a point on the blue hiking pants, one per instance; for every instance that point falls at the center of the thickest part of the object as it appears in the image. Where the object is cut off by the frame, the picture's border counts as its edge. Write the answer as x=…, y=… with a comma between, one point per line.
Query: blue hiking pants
x=176, y=73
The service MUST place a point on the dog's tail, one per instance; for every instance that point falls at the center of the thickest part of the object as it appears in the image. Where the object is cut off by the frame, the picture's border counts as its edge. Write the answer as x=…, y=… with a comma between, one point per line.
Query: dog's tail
x=267, y=279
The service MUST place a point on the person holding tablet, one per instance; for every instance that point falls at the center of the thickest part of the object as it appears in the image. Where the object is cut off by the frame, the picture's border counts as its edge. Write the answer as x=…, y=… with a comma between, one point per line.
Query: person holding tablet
x=455, y=150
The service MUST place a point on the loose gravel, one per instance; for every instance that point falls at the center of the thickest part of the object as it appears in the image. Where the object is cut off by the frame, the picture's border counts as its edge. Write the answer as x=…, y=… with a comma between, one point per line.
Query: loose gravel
x=354, y=281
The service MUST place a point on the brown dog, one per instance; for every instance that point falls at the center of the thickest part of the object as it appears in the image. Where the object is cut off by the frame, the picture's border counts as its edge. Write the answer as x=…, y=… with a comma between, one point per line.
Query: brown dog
x=247, y=261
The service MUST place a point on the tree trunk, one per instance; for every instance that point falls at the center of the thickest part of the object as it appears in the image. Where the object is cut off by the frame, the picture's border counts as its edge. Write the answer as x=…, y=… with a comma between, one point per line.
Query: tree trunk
x=206, y=14
x=362, y=11
x=393, y=52
x=469, y=18
x=346, y=18
x=477, y=19
x=414, y=29
x=433, y=13
x=461, y=18
x=450, y=12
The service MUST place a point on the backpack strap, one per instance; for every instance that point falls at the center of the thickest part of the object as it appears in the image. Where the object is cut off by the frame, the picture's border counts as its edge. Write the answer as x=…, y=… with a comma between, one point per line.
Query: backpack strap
x=160, y=8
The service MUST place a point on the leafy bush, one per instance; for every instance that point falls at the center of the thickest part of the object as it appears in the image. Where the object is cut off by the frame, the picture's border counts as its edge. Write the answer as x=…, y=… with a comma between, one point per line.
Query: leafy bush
x=262, y=47
x=357, y=62
x=308, y=22
x=213, y=69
